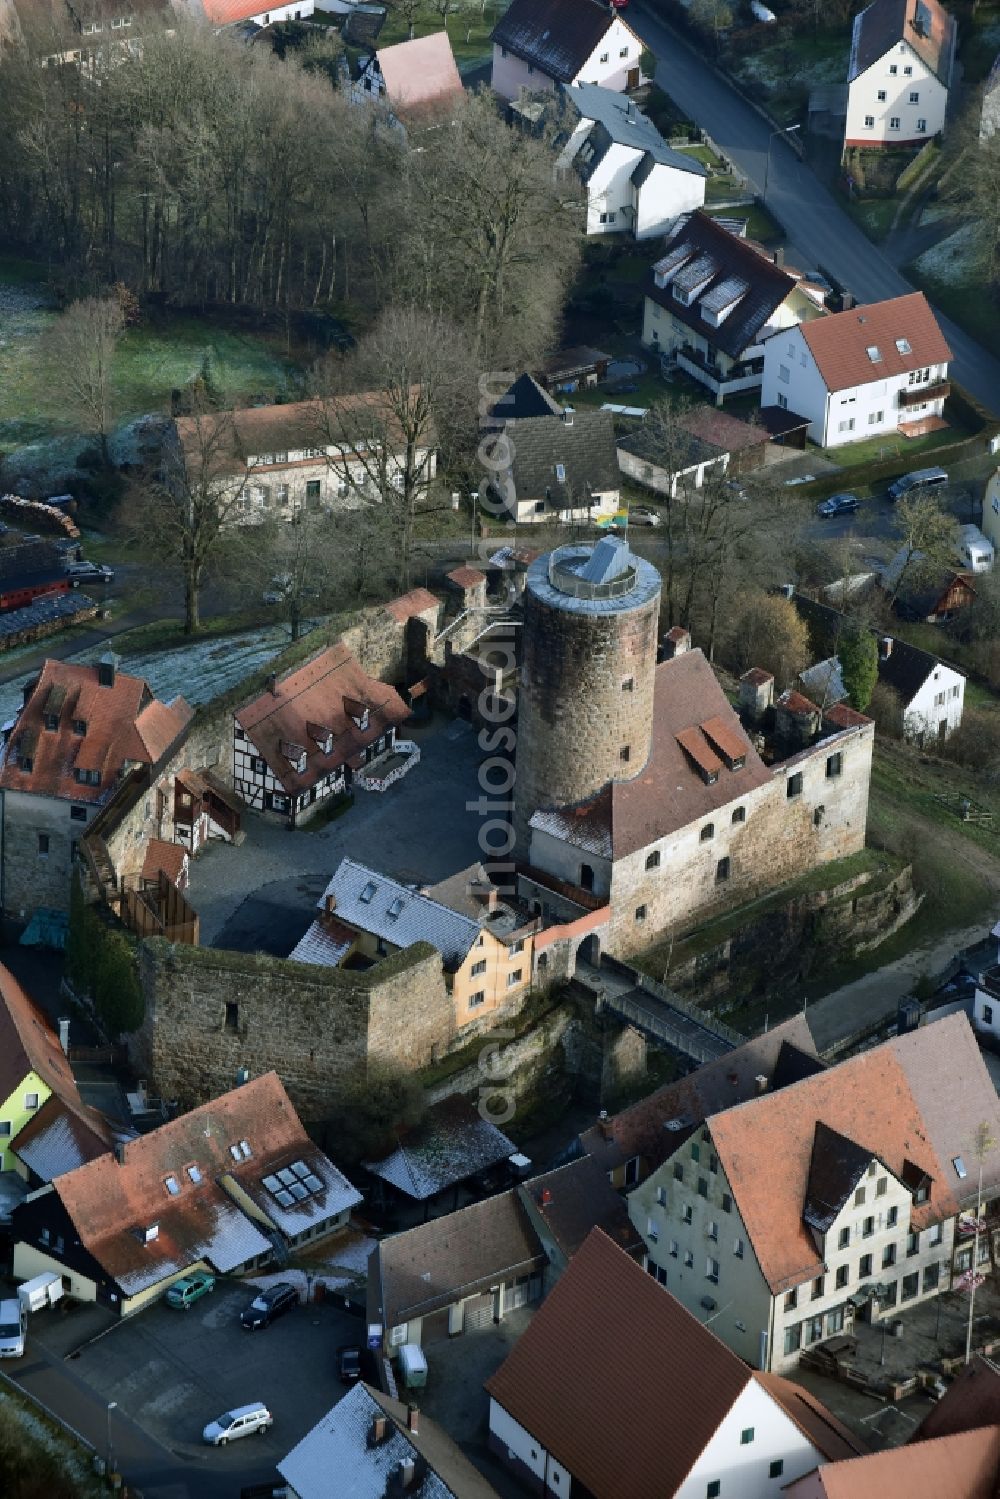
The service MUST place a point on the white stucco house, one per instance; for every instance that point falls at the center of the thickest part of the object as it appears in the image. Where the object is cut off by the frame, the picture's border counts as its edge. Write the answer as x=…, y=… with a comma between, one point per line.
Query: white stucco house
x=902, y=54
x=539, y=44
x=990, y=524
x=614, y=1391
x=860, y=1223
x=856, y=374
x=714, y=298
x=636, y=184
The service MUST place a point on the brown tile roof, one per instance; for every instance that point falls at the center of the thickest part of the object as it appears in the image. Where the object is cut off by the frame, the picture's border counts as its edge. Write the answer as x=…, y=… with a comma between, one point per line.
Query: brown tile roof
x=617, y=1380
x=886, y=23
x=420, y=72
x=573, y=1199
x=466, y=577
x=899, y=1101
x=722, y=430
x=166, y=857
x=423, y=1269
x=125, y=723
x=417, y=601
x=966, y=1466
x=112, y=1202
x=828, y=1435
x=640, y=1131
x=840, y=344
x=758, y=676
x=669, y=793
x=324, y=694
x=795, y=702
x=844, y=717
x=972, y=1400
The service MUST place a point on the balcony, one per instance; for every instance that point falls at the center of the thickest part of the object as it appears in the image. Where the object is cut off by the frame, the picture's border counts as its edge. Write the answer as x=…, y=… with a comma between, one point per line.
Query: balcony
x=745, y=376
x=919, y=395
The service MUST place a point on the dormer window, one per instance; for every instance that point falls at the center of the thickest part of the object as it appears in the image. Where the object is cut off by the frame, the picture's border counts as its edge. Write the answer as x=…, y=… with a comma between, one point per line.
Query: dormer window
x=80, y=726
x=149, y=1234
x=51, y=722
x=26, y=763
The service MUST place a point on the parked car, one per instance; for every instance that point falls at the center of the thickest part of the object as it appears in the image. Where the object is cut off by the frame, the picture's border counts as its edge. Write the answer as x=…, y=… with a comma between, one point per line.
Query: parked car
x=920, y=478
x=641, y=515
x=241, y=1422
x=90, y=572
x=190, y=1288
x=270, y=1303
x=838, y=504
x=349, y=1363
x=13, y=1326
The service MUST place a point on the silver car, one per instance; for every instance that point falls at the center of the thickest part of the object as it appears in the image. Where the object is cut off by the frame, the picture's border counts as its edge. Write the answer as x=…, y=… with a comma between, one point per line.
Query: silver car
x=242, y=1421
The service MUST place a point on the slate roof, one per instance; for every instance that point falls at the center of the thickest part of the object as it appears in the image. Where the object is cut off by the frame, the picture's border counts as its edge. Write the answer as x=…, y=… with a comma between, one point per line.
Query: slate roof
x=903, y=330
x=640, y=1130
x=725, y=258
x=966, y=1466
x=340, y=1445
x=125, y=724
x=322, y=694
x=898, y=1101
x=112, y=1203
x=556, y=36
x=525, y=398
x=670, y=792
x=886, y=23
x=837, y=1165
x=584, y=447
x=573, y=1199
x=451, y=1143
x=623, y=123
x=26, y=562
x=905, y=669
x=375, y=903
x=641, y=1366
x=420, y=73
x=423, y=1269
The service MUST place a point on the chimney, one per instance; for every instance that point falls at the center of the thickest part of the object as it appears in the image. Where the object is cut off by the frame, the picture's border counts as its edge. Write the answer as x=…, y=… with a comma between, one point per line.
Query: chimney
x=675, y=642
x=545, y=1198
x=120, y=1152
x=272, y=683
x=413, y=1419
x=760, y=1084
x=846, y=301
x=567, y=417
x=329, y=903
x=64, y=1036
x=106, y=669
x=756, y=694
x=779, y=256
x=885, y=647
x=407, y=1470
x=376, y=1432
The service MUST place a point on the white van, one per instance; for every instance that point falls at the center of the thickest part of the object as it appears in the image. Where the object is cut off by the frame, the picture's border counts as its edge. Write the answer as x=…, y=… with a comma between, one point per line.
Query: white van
x=44, y=1290
x=13, y=1327
x=975, y=550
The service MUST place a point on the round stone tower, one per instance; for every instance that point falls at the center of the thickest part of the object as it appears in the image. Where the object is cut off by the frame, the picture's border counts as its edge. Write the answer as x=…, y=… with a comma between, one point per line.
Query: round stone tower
x=585, y=702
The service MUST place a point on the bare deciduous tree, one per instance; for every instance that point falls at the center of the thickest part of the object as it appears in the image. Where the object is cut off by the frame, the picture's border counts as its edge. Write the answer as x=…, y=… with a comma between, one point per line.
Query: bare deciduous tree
x=81, y=349
x=929, y=541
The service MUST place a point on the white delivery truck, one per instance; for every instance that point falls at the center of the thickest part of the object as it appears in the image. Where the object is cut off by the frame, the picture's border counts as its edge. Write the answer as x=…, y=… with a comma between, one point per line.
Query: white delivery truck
x=974, y=549
x=13, y=1325
x=43, y=1290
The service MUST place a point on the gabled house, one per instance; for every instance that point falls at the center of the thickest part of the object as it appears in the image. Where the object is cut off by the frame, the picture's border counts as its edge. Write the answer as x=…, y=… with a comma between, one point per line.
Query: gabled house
x=311, y=733
x=80, y=731
x=455, y=1274
x=217, y=1189
x=931, y=694
x=414, y=80
x=93, y=34
x=378, y=1447
x=615, y=1391
x=559, y=467
x=451, y=1143
x=538, y=44
x=565, y=1204
x=877, y=1163
x=926, y=591
x=963, y=1466
x=902, y=55
x=254, y=13
x=45, y=1127
x=636, y=184
x=485, y=942
x=714, y=299
x=873, y=369
x=708, y=443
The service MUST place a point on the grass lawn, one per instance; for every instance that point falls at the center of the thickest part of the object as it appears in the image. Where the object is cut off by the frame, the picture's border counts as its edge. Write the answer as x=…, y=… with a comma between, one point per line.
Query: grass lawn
x=469, y=30
x=872, y=449
x=874, y=215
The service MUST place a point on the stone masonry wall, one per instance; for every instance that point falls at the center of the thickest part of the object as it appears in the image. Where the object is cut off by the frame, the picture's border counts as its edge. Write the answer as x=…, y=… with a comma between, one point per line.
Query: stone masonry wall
x=210, y=1012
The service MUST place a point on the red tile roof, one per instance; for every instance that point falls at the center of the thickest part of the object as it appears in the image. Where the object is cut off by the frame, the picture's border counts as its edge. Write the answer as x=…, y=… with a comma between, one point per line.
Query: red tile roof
x=972, y=1400
x=466, y=577
x=722, y=430
x=124, y=724
x=899, y=1101
x=329, y=693
x=795, y=702
x=166, y=857
x=417, y=601
x=421, y=72
x=966, y=1466
x=844, y=717
x=619, y=1382
x=840, y=344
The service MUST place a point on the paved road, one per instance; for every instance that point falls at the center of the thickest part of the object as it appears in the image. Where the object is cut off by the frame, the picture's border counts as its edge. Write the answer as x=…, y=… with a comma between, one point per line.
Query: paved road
x=811, y=216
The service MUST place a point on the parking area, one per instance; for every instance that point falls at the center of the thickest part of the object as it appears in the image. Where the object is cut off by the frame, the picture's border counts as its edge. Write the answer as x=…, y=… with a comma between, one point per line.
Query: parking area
x=171, y=1372
x=261, y=896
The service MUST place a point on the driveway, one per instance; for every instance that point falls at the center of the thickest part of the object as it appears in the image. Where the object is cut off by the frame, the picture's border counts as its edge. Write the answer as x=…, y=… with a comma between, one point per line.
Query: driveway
x=171, y=1372
x=810, y=215
x=261, y=896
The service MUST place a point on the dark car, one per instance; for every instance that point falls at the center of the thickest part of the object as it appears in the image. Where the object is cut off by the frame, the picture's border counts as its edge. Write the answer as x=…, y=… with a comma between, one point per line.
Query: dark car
x=838, y=504
x=349, y=1363
x=268, y=1304
x=90, y=572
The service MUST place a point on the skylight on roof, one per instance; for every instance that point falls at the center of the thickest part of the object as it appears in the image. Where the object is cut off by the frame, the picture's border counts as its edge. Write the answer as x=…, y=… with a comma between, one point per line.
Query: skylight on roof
x=194, y=1173
x=959, y=1166
x=172, y=1185
x=903, y=346
x=292, y=1184
x=561, y=473
x=874, y=353
x=368, y=893
x=396, y=909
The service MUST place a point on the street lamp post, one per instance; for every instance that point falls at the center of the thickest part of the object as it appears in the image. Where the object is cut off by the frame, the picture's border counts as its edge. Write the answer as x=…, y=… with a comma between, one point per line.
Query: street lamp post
x=785, y=130
x=112, y=1406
